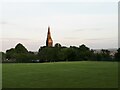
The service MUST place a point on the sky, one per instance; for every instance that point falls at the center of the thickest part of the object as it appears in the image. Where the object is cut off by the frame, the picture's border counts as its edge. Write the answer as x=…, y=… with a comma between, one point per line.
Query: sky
x=72, y=23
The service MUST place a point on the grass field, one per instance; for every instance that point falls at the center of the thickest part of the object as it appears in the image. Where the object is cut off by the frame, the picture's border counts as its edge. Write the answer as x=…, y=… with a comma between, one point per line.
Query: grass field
x=61, y=75
x=0, y=76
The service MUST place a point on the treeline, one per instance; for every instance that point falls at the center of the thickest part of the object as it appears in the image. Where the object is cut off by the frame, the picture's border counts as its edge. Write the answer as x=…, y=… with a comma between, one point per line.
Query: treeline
x=20, y=54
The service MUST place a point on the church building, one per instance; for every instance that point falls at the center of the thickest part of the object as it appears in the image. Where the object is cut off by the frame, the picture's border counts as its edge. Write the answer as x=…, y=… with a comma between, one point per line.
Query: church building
x=49, y=41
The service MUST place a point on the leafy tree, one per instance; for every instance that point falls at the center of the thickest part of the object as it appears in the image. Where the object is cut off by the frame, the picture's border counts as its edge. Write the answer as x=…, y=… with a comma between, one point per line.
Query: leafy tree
x=58, y=53
x=63, y=54
x=25, y=57
x=84, y=53
x=83, y=48
x=98, y=56
x=2, y=56
x=47, y=54
x=73, y=53
x=19, y=53
x=117, y=55
x=105, y=55
x=10, y=54
x=57, y=45
x=20, y=49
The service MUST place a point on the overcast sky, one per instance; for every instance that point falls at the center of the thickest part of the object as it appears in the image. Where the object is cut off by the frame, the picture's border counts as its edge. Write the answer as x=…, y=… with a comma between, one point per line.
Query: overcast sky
x=94, y=24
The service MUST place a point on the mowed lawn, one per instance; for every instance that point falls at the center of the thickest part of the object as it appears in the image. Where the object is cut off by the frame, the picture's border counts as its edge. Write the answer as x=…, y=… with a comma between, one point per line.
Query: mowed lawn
x=83, y=74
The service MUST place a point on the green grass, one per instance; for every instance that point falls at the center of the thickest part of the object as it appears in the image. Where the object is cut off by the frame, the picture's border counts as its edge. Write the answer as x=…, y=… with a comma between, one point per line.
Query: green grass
x=0, y=76
x=61, y=75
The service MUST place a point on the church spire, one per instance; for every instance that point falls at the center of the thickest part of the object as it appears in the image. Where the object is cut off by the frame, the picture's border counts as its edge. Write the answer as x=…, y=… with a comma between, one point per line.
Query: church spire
x=49, y=42
x=49, y=30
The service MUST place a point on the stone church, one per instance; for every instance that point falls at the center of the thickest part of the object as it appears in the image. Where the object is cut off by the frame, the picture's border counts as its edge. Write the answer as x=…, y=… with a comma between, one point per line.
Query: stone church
x=49, y=41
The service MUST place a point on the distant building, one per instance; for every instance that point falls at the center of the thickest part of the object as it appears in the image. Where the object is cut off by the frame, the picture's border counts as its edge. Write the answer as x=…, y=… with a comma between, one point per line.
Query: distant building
x=49, y=41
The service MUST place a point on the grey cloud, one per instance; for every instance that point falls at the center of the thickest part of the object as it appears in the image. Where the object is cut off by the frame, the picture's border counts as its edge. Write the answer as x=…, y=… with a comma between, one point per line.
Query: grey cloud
x=19, y=40
x=6, y=23
x=14, y=39
x=71, y=37
x=86, y=29
x=3, y=22
x=95, y=39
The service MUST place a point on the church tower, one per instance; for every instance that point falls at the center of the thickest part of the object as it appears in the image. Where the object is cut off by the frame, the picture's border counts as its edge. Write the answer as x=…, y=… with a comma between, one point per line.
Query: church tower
x=49, y=41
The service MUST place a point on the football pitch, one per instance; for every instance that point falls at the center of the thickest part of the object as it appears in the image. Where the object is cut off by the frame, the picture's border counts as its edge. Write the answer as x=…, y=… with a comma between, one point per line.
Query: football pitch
x=82, y=74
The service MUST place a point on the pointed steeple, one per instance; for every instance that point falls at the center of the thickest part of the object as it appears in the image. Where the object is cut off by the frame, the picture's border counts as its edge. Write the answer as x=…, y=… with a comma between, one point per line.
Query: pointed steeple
x=49, y=42
x=48, y=29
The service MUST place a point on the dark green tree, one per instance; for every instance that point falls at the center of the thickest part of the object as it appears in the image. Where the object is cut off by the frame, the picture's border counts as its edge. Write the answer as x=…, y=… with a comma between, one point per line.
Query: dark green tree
x=84, y=53
x=2, y=56
x=57, y=45
x=18, y=54
x=105, y=54
x=20, y=49
x=10, y=54
x=47, y=54
x=63, y=54
x=117, y=55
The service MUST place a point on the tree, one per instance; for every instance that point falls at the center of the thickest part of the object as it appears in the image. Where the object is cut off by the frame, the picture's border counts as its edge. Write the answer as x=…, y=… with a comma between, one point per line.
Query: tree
x=57, y=45
x=20, y=49
x=117, y=55
x=47, y=54
x=83, y=48
x=63, y=54
x=18, y=54
x=84, y=53
x=10, y=53
x=73, y=53
x=58, y=53
x=105, y=55
x=2, y=56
